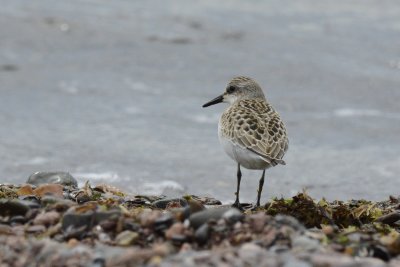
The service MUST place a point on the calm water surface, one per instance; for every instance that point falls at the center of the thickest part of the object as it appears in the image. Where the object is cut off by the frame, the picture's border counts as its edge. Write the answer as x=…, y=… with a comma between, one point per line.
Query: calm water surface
x=111, y=91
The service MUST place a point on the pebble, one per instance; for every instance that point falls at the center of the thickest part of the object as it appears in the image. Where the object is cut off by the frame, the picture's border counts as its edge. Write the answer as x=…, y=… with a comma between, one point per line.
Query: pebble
x=25, y=190
x=199, y=218
x=47, y=218
x=18, y=219
x=62, y=178
x=176, y=229
x=126, y=238
x=202, y=234
x=148, y=217
x=56, y=203
x=55, y=190
x=5, y=230
x=87, y=219
x=51, y=230
x=13, y=207
x=257, y=221
x=163, y=222
x=302, y=243
x=232, y=216
x=36, y=229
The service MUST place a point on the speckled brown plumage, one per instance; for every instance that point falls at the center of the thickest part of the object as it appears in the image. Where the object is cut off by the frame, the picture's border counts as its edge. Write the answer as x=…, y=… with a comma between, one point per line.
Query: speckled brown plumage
x=254, y=124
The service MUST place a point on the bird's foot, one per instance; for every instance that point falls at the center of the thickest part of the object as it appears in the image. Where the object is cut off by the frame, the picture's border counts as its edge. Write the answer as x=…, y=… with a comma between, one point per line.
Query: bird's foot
x=256, y=207
x=237, y=205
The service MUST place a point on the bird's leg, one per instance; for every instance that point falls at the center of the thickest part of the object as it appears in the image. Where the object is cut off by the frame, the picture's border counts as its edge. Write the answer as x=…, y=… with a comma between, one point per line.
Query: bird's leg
x=260, y=187
x=239, y=177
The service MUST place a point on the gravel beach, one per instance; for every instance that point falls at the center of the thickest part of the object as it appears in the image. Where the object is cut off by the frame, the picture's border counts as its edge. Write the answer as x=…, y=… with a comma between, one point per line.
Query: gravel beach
x=59, y=224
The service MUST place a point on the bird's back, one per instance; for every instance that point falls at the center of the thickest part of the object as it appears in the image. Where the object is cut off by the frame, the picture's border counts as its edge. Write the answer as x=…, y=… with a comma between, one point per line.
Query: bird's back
x=254, y=125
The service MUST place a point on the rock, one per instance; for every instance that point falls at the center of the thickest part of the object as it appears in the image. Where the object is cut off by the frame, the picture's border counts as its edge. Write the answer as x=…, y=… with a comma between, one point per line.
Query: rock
x=5, y=230
x=30, y=198
x=197, y=219
x=31, y=201
x=59, y=204
x=47, y=218
x=202, y=234
x=148, y=217
x=178, y=240
x=257, y=221
x=126, y=238
x=303, y=243
x=49, y=189
x=130, y=225
x=25, y=190
x=163, y=203
x=332, y=260
x=370, y=262
x=62, y=178
x=289, y=221
x=87, y=219
x=378, y=251
x=35, y=229
x=290, y=260
x=13, y=207
x=232, y=216
x=163, y=222
x=176, y=229
x=17, y=220
x=252, y=255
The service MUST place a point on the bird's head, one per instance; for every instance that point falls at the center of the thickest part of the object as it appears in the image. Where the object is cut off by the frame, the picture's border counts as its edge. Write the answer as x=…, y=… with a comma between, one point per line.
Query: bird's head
x=237, y=89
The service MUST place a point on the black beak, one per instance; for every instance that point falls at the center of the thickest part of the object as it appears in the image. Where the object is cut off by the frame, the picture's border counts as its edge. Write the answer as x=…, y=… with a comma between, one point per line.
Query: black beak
x=216, y=100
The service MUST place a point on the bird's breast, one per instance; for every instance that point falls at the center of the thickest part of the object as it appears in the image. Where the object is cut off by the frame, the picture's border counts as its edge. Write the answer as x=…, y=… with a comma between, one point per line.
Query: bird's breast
x=243, y=156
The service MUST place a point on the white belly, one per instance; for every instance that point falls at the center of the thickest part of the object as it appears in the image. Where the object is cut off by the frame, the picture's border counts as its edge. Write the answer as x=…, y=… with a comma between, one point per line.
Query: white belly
x=243, y=156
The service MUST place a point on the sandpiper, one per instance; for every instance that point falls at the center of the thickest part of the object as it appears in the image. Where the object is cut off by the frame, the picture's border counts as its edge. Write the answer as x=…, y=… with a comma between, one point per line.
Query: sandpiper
x=250, y=130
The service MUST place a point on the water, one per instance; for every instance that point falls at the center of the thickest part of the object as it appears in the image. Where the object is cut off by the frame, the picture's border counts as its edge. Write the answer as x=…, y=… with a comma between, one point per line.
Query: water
x=111, y=91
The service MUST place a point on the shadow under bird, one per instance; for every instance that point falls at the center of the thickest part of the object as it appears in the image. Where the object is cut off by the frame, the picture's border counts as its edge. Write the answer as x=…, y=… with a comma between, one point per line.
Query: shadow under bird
x=250, y=130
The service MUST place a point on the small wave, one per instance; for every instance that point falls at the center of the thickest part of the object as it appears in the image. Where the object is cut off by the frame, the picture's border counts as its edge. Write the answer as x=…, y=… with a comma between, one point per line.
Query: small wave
x=108, y=177
x=168, y=188
x=349, y=112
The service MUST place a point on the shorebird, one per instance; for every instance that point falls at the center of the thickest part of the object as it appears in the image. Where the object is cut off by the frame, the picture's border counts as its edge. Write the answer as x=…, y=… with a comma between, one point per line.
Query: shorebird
x=250, y=130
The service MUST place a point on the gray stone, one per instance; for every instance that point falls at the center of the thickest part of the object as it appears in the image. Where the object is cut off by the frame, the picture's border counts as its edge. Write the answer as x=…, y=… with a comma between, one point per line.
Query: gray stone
x=304, y=243
x=163, y=222
x=198, y=218
x=87, y=219
x=202, y=234
x=232, y=216
x=13, y=207
x=289, y=221
x=126, y=238
x=63, y=178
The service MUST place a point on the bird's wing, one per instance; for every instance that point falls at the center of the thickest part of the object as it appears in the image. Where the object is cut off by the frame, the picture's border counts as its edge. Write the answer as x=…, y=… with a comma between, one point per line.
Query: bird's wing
x=256, y=126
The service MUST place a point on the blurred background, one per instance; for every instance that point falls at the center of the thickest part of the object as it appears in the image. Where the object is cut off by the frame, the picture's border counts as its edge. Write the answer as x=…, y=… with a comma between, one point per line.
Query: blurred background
x=111, y=91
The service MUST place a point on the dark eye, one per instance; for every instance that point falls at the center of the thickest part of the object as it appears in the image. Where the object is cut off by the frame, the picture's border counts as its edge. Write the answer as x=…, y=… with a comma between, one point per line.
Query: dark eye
x=231, y=89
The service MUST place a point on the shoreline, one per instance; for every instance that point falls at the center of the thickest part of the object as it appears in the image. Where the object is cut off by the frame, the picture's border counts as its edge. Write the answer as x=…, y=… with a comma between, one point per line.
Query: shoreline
x=58, y=223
